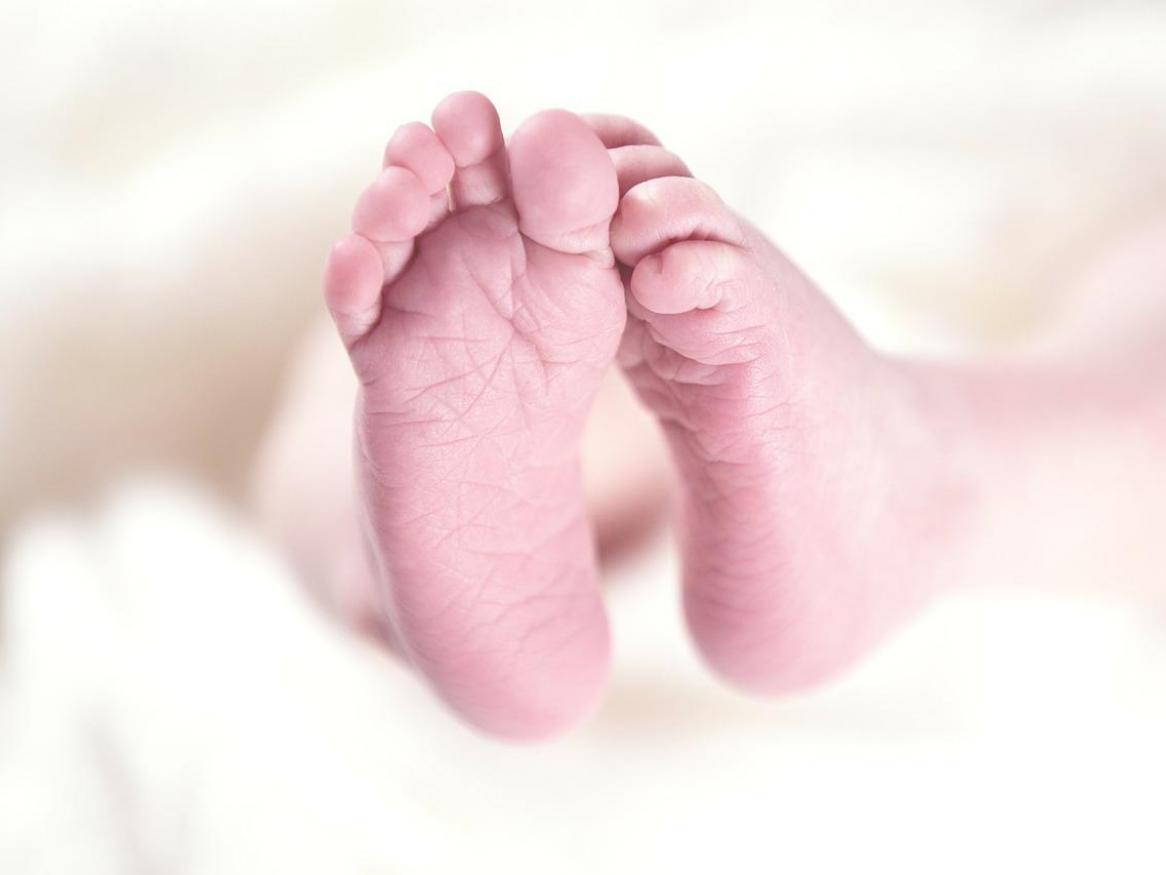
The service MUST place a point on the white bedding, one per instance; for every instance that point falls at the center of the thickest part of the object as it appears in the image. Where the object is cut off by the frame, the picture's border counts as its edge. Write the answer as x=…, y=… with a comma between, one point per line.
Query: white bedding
x=172, y=705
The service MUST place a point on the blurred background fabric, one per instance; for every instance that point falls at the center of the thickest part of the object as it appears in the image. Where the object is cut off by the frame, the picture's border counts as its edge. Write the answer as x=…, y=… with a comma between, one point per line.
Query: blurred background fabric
x=171, y=176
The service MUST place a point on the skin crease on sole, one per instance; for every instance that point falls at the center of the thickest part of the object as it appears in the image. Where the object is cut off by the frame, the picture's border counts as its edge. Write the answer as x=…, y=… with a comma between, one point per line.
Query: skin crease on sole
x=479, y=324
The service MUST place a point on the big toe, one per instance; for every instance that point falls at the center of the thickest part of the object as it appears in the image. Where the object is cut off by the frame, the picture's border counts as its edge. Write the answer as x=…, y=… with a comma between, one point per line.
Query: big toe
x=564, y=183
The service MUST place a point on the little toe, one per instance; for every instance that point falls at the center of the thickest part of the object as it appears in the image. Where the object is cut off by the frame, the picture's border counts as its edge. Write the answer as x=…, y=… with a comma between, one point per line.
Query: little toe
x=468, y=126
x=353, y=277
x=394, y=208
x=659, y=212
x=565, y=188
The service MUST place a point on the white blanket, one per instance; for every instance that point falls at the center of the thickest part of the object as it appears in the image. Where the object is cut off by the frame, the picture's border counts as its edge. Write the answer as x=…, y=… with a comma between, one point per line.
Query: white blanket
x=172, y=705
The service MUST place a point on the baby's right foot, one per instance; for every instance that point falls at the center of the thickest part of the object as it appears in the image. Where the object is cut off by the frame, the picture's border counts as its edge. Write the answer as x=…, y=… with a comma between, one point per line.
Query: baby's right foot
x=812, y=512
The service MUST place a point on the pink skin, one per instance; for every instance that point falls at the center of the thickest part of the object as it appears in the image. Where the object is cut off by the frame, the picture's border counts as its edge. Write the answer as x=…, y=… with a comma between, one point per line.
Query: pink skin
x=479, y=328
x=305, y=495
x=789, y=433
x=828, y=489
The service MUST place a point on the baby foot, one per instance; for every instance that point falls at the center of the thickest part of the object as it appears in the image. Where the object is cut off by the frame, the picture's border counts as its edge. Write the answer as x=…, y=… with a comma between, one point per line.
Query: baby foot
x=809, y=525
x=479, y=324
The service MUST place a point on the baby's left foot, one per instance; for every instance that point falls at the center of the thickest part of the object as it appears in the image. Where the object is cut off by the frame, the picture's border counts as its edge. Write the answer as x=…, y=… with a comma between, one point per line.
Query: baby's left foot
x=812, y=508
x=480, y=323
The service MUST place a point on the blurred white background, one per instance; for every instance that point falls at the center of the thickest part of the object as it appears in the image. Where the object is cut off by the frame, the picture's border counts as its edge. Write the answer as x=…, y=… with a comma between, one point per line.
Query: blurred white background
x=171, y=177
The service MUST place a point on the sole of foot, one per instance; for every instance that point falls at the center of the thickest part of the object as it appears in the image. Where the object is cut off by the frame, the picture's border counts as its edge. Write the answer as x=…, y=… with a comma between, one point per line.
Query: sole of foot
x=810, y=522
x=480, y=305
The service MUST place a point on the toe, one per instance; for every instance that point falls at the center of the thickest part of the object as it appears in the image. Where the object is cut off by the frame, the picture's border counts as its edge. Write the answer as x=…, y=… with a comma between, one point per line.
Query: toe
x=659, y=212
x=635, y=164
x=416, y=148
x=705, y=301
x=353, y=277
x=692, y=275
x=617, y=130
x=467, y=124
x=565, y=189
x=395, y=207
